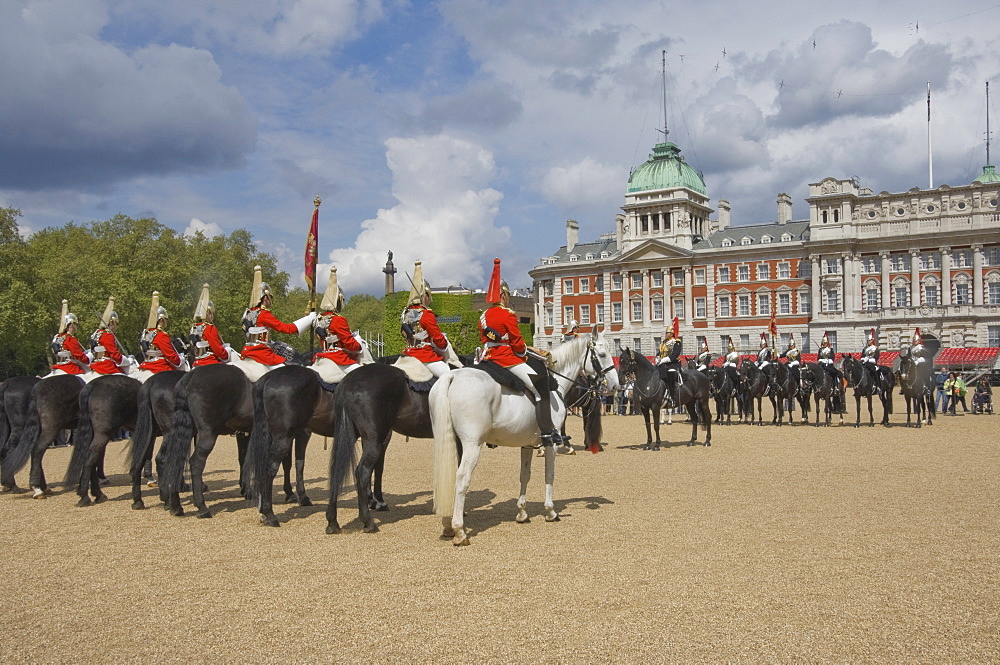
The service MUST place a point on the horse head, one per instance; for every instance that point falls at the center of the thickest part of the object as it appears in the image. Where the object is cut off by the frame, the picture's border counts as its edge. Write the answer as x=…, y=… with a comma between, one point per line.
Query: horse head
x=602, y=364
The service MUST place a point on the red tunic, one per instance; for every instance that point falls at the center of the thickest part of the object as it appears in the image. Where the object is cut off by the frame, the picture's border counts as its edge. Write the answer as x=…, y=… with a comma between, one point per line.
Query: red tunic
x=432, y=348
x=112, y=356
x=340, y=345
x=502, y=338
x=260, y=351
x=215, y=353
x=168, y=359
x=67, y=342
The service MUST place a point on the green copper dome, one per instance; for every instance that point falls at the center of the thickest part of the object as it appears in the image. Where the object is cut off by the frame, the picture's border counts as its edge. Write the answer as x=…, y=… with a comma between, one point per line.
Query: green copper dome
x=665, y=169
x=989, y=175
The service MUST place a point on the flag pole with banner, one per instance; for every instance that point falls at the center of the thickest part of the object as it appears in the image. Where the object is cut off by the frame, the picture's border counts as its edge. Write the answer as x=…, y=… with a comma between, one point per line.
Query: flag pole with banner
x=773, y=327
x=312, y=253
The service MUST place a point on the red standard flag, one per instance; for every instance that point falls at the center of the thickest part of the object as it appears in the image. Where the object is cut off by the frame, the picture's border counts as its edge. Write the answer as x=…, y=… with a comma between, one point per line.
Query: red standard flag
x=677, y=327
x=312, y=248
x=773, y=328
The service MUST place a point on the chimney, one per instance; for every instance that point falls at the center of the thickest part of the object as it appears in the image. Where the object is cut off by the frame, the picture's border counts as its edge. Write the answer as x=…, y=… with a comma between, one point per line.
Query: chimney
x=724, y=210
x=572, y=234
x=619, y=231
x=784, y=209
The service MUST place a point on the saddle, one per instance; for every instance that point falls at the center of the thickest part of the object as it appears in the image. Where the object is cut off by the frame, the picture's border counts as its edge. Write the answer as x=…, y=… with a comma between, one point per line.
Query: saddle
x=420, y=378
x=501, y=375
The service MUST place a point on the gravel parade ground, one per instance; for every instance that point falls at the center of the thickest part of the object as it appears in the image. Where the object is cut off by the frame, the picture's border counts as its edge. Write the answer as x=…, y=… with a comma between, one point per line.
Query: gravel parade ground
x=793, y=544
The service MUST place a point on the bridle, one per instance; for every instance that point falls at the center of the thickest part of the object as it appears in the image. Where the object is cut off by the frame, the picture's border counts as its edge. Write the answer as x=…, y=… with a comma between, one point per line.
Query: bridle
x=593, y=383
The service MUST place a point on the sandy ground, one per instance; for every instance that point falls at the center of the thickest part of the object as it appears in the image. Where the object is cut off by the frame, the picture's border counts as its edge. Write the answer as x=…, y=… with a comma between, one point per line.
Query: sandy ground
x=773, y=545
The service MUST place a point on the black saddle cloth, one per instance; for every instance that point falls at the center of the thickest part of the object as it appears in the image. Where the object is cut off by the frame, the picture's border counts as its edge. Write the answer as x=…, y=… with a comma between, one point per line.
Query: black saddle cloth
x=501, y=375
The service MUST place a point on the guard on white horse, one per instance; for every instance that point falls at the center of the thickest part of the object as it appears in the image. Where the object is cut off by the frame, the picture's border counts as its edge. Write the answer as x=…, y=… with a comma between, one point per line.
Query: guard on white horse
x=157, y=348
x=70, y=356
x=469, y=408
x=204, y=336
x=424, y=340
x=260, y=354
x=342, y=350
x=105, y=347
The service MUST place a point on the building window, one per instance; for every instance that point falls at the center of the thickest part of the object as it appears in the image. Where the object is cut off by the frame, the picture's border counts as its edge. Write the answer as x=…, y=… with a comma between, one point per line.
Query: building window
x=600, y=313
x=699, y=275
x=871, y=298
x=599, y=287
x=804, y=343
x=786, y=237
x=962, y=258
x=992, y=256
x=678, y=277
x=723, y=274
x=724, y=307
x=637, y=344
x=901, y=296
x=743, y=302
x=616, y=282
x=616, y=312
x=765, y=239
x=763, y=271
x=833, y=266
x=567, y=314
x=745, y=342
x=746, y=240
x=805, y=269
x=568, y=286
x=805, y=302
x=993, y=336
x=743, y=273
x=637, y=310
x=961, y=294
x=636, y=280
x=993, y=293
x=584, y=285
x=783, y=340
x=657, y=310
x=548, y=287
x=727, y=242
x=931, y=261
x=549, y=318
x=832, y=336
x=784, y=303
x=931, y=294
x=900, y=262
x=763, y=304
x=724, y=343
x=589, y=256
x=657, y=279
x=700, y=310
x=784, y=271
x=584, y=313
x=679, y=308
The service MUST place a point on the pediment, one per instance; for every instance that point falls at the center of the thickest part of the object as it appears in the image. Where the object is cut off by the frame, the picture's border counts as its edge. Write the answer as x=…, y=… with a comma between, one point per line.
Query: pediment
x=653, y=251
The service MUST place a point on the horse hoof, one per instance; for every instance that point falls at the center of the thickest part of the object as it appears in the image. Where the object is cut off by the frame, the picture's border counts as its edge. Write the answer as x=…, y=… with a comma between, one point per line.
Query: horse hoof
x=690, y=443
x=371, y=528
x=552, y=517
x=38, y=494
x=289, y=498
x=305, y=501
x=100, y=498
x=84, y=502
x=708, y=443
x=268, y=520
x=152, y=484
x=522, y=518
x=138, y=505
x=332, y=528
x=8, y=488
x=176, y=512
x=381, y=506
x=647, y=447
x=460, y=539
x=204, y=514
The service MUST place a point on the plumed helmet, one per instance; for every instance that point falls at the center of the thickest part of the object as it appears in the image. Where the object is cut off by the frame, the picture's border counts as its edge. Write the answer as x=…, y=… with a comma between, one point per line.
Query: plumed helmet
x=731, y=346
x=66, y=317
x=154, y=311
x=109, y=313
x=333, y=298
x=917, y=338
x=871, y=337
x=204, y=305
x=791, y=341
x=495, y=288
x=573, y=325
x=826, y=339
x=704, y=345
x=258, y=289
x=419, y=288
x=763, y=339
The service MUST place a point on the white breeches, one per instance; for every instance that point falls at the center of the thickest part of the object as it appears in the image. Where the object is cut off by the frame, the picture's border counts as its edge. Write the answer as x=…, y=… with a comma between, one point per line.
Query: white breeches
x=523, y=372
x=438, y=368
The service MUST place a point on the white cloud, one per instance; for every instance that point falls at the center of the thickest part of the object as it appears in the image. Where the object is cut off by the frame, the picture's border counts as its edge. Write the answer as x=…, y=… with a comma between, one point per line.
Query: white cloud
x=444, y=218
x=208, y=229
x=582, y=185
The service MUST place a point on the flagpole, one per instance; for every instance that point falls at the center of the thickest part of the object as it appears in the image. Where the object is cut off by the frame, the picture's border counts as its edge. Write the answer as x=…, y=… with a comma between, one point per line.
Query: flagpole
x=930, y=154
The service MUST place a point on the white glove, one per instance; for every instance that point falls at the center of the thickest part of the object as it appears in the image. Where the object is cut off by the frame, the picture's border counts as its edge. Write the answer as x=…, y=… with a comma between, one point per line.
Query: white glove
x=90, y=356
x=305, y=322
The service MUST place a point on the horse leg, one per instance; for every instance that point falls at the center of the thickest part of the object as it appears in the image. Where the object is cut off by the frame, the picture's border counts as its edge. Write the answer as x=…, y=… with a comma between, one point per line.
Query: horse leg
x=649, y=431
x=708, y=423
x=656, y=427
x=857, y=406
x=692, y=410
x=91, y=472
x=370, y=449
x=281, y=446
x=242, y=439
x=36, y=478
x=301, y=441
x=470, y=458
x=871, y=413
x=204, y=443
x=550, y=475
x=377, y=501
x=522, y=499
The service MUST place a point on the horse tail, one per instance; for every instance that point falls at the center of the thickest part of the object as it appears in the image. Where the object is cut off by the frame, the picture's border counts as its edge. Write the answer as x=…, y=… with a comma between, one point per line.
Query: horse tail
x=82, y=439
x=19, y=455
x=258, y=457
x=592, y=430
x=342, y=457
x=140, y=445
x=5, y=427
x=177, y=443
x=445, y=448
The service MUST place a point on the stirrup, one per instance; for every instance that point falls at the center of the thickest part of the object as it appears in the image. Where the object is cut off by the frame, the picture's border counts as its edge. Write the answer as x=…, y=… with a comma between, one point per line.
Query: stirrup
x=553, y=438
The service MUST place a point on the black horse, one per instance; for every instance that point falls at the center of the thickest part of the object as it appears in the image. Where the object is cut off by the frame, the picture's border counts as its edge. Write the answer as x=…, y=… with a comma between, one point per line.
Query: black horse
x=724, y=391
x=14, y=395
x=815, y=381
x=107, y=405
x=650, y=392
x=756, y=385
x=154, y=418
x=864, y=385
x=786, y=387
x=290, y=403
x=210, y=401
x=53, y=406
x=585, y=394
x=914, y=382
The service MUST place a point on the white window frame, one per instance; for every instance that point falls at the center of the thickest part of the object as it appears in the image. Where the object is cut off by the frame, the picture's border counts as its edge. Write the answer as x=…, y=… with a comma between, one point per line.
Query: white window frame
x=763, y=272
x=725, y=307
x=724, y=274
x=700, y=308
x=656, y=310
x=784, y=303
x=636, y=315
x=585, y=314
x=569, y=313
x=568, y=286
x=763, y=304
x=784, y=270
x=616, y=312
x=743, y=304
x=743, y=273
x=699, y=276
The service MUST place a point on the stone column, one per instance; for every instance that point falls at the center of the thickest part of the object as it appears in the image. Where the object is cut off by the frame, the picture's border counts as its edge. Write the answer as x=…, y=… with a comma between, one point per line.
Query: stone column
x=688, y=296
x=914, y=277
x=645, y=298
x=883, y=257
x=847, y=288
x=977, y=275
x=946, y=275
x=817, y=276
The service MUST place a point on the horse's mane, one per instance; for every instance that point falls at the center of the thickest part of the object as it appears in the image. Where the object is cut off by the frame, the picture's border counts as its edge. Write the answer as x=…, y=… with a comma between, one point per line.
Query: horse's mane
x=571, y=350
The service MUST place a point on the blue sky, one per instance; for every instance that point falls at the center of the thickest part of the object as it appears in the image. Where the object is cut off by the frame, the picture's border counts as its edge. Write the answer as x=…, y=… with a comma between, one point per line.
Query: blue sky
x=456, y=131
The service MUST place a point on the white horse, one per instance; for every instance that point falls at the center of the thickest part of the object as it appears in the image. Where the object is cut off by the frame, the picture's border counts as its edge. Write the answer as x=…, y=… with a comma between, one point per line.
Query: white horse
x=468, y=409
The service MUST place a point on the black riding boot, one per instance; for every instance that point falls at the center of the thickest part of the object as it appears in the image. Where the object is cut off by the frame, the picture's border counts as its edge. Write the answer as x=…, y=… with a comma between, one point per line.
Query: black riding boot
x=543, y=413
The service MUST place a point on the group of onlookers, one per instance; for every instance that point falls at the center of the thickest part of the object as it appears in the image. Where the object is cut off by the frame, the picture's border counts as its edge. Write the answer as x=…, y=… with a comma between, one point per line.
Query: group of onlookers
x=952, y=389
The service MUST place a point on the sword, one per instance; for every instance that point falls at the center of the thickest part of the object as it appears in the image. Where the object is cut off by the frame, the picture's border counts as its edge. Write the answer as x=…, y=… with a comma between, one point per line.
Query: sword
x=104, y=324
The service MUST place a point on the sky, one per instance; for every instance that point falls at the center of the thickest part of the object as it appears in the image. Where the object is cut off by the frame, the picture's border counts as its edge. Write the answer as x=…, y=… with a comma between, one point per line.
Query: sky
x=456, y=131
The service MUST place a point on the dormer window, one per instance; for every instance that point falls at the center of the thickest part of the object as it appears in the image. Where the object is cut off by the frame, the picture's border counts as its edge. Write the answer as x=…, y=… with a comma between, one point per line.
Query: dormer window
x=727, y=242
x=605, y=255
x=765, y=239
x=574, y=257
x=746, y=240
x=786, y=237
x=589, y=256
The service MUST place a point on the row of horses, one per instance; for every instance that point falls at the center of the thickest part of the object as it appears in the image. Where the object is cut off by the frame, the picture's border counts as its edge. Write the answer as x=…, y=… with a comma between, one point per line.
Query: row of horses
x=273, y=420
x=745, y=389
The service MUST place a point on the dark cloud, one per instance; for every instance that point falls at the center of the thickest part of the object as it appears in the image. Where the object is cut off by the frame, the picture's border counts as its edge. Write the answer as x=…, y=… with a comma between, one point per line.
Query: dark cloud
x=480, y=107
x=80, y=112
x=729, y=129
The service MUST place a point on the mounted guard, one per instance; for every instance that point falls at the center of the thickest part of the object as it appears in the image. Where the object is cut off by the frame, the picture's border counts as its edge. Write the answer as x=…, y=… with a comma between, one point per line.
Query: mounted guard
x=69, y=355
x=204, y=336
x=503, y=344
x=765, y=360
x=571, y=331
x=793, y=356
x=869, y=357
x=258, y=324
x=826, y=357
x=732, y=362
x=104, y=345
x=341, y=350
x=418, y=323
x=704, y=358
x=157, y=348
x=668, y=362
